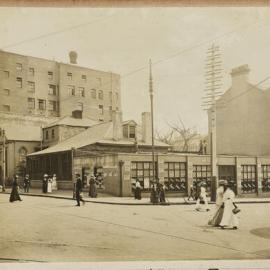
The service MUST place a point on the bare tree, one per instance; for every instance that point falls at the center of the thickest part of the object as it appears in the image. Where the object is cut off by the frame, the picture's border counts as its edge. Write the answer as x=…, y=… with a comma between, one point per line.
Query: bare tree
x=166, y=137
x=187, y=134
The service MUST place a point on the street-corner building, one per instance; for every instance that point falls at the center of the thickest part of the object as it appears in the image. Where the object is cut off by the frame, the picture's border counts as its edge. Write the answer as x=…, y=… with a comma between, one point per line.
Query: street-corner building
x=19, y=141
x=121, y=153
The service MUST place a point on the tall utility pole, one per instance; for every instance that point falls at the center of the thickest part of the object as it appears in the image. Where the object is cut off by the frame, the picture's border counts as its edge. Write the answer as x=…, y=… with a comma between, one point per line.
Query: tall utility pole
x=213, y=78
x=151, y=92
x=4, y=158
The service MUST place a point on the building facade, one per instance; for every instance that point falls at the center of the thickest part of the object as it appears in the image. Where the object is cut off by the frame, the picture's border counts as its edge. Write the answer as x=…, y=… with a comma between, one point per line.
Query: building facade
x=243, y=117
x=35, y=86
x=112, y=150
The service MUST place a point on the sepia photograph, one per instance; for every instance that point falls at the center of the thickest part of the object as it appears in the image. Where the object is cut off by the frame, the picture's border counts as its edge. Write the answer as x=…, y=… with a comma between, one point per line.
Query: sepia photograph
x=134, y=136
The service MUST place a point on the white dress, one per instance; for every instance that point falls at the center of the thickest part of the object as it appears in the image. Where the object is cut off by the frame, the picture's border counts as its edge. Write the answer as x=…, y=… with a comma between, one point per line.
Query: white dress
x=203, y=196
x=229, y=219
x=49, y=187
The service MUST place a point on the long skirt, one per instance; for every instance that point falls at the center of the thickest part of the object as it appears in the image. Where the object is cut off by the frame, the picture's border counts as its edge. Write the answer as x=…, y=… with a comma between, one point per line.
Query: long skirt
x=138, y=194
x=14, y=195
x=229, y=219
x=92, y=191
x=49, y=187
x=217, y=217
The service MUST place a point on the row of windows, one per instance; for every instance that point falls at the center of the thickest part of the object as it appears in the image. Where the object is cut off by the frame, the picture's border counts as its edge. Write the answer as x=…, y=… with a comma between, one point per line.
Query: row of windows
x=41, y=104
x=51, y=75
x=94, y=93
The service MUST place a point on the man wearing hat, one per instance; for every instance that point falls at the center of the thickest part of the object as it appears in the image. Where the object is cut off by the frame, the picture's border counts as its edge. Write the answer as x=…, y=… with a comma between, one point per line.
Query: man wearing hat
x=78, y=190
x=26, y=183
x=45, y=183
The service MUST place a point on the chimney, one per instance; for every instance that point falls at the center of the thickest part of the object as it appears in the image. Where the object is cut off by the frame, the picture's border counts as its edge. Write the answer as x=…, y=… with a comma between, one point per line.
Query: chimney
x=117, y=125
x=146, y=128
x=240, y=76
x=73, y=57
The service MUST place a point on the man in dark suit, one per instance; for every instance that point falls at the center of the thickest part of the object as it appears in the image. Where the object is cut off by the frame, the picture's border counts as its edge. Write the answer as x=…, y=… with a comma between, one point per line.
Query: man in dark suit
x=79, y=190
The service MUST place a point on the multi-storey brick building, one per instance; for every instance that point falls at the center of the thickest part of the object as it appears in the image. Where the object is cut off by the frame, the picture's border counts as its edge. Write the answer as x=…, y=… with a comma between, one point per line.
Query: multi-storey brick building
x=36, y=92
x=35, y=86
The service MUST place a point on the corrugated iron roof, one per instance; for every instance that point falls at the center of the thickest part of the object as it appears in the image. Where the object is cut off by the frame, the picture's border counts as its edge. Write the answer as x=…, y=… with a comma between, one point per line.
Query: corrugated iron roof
x=100, y=133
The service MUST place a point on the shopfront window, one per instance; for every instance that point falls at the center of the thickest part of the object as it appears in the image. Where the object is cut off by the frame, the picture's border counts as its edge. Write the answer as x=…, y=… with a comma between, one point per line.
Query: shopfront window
x=202, y=173
x=175, y=176
x=265, y=178
x=248, y=179
x=143, y=171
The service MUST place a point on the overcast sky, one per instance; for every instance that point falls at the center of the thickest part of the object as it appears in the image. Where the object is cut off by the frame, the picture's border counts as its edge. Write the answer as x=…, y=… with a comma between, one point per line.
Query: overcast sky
x=123, y=40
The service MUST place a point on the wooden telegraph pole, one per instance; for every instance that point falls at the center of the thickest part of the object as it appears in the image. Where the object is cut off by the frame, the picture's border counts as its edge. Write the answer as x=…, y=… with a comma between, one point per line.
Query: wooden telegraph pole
x=151, y=92
x=213, y=84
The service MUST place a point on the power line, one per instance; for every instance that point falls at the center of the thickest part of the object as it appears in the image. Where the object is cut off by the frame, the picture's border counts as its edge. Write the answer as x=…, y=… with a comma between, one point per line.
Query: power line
x=56, y=32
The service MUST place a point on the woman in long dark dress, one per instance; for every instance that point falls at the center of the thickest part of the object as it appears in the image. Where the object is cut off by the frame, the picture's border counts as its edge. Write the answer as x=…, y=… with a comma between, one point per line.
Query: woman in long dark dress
x=14, y=195
x=92, y=187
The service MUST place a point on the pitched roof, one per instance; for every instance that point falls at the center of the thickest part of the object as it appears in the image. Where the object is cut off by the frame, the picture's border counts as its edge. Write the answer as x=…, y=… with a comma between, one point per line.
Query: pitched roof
x=74, y=122
x=100, y=133
x=22, y=133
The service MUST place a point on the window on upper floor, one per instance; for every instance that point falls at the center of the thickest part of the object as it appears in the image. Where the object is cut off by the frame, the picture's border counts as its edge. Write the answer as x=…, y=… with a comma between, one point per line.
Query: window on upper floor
x=6, y=92
x=19, y=82
x=18, y=66
x=31, y=103
x=47, y=134
x=84, y=78
x=52, y=105
x=100, y=94
x=100, y=109
x=6, y=108
x=81, y=92
x=50, y=75
x=31, y=86
x=69, y=75
x=31, y=71
x=71, y=90
x=6, y=74
x=52, y=90
x=132, y=132
x=53, y=134
x=94, y=93
x=129, y=131
x=42, y=104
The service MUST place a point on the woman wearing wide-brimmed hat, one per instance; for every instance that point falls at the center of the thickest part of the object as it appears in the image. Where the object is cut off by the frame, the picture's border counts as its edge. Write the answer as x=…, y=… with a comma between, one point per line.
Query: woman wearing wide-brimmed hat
x=229, y=219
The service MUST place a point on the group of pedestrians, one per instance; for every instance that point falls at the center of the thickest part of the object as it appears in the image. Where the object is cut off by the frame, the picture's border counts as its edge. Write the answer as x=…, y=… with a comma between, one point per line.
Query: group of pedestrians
x=225, y=214
x=48, y=183
x=157, y=193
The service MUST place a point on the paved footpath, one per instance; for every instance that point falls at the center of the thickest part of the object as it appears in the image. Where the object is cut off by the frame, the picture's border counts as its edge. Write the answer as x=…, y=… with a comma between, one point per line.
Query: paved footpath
x=104, y=198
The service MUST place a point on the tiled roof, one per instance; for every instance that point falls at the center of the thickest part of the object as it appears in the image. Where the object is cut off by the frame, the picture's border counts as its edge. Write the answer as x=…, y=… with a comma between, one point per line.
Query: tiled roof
x=100, y=133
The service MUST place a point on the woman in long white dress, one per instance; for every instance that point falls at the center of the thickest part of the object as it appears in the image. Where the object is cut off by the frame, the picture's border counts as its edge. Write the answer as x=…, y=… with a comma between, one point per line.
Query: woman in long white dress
x=229, y=219
x=202, y=202
x=49, y=186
